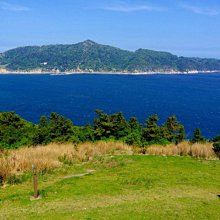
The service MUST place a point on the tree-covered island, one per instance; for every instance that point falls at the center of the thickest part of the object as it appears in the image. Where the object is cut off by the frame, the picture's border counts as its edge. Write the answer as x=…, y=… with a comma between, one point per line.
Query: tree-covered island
x=89, y=56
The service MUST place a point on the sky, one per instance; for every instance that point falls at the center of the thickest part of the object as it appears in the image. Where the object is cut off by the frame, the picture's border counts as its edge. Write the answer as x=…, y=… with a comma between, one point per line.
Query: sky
x=182, y=27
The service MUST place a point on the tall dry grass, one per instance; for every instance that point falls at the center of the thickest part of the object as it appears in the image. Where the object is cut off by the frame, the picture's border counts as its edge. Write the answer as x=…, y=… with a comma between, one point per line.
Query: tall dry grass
x=49, y=157
x=87, y=151
x=198, y=150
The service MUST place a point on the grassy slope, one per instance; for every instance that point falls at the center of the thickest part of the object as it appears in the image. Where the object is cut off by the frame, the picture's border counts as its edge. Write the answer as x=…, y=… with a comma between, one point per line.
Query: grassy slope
x=123, y=187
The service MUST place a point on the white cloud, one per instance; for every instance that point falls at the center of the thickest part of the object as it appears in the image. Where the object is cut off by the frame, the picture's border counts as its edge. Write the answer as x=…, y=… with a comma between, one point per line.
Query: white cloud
x=133, y=8
x=201, y=10
x=12, y=7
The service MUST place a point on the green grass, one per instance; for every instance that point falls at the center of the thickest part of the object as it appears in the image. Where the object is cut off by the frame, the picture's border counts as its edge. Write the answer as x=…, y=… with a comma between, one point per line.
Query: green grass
x=123, y=187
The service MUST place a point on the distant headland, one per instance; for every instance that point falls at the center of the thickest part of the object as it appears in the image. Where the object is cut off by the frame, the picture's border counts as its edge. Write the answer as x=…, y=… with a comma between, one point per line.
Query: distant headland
x=91, y=57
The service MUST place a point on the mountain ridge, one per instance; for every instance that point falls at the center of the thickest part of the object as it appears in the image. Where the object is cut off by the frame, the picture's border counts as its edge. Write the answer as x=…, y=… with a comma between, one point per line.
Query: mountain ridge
x=89, y=56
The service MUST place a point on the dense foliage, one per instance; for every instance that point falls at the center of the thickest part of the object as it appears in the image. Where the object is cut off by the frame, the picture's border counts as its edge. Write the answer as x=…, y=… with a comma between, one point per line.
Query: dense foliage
x=216, y=145
x=90, y=56
x=15, y=131
x=197, y=136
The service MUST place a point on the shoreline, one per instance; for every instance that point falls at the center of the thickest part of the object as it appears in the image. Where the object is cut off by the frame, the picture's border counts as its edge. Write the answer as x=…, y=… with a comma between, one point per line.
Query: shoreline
x=4, y=71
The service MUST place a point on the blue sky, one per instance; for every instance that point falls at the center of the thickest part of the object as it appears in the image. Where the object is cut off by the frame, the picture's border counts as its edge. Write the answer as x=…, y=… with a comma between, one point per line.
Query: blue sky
x=183, y=27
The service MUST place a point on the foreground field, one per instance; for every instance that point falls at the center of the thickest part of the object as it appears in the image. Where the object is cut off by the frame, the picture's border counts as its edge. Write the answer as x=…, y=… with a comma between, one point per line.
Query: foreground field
x=120, y=187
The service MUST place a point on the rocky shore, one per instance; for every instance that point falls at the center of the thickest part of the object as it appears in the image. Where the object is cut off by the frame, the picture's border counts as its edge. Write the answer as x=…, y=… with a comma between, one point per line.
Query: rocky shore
x=55, y=72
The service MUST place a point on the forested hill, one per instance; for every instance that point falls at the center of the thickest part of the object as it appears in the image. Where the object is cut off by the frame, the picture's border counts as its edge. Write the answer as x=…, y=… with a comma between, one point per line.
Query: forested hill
x=89, y=56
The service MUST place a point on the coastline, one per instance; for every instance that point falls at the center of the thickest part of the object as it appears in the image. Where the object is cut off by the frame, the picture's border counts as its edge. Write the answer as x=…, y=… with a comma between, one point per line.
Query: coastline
x=39, y=71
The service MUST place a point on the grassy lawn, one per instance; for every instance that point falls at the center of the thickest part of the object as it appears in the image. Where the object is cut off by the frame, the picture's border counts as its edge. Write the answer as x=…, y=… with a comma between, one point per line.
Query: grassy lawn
x=122, y=187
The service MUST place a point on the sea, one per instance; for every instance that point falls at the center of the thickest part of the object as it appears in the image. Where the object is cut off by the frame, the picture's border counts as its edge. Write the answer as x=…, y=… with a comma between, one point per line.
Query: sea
x=193, y=98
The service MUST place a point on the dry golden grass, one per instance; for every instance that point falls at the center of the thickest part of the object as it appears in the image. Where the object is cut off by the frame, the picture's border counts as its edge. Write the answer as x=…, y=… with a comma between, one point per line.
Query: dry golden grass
x=199, y=150
x=87, y=151
x=49, y=157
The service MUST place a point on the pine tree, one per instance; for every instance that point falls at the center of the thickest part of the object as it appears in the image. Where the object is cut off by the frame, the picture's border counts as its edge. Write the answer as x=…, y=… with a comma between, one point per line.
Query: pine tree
x=197, y=136
x=152, y=130
x=173, y=130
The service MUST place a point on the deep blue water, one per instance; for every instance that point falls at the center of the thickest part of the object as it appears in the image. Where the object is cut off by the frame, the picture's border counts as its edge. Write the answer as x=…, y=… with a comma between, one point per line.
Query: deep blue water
x=194, y=99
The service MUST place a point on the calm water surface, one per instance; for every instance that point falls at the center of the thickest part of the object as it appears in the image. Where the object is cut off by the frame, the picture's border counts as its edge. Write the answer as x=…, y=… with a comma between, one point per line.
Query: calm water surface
x=194, y=99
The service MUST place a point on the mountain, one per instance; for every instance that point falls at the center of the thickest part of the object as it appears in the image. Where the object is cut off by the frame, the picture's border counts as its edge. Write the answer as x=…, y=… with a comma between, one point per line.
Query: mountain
x=89, y=56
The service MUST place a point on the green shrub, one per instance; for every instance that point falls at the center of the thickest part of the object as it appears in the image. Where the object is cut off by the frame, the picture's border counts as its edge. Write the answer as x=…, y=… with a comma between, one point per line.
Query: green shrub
x=216, y=139
x=216, y=147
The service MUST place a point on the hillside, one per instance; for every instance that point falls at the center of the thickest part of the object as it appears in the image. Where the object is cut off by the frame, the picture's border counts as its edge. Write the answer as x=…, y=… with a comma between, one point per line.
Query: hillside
x=89, y=56
x=118, y=187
